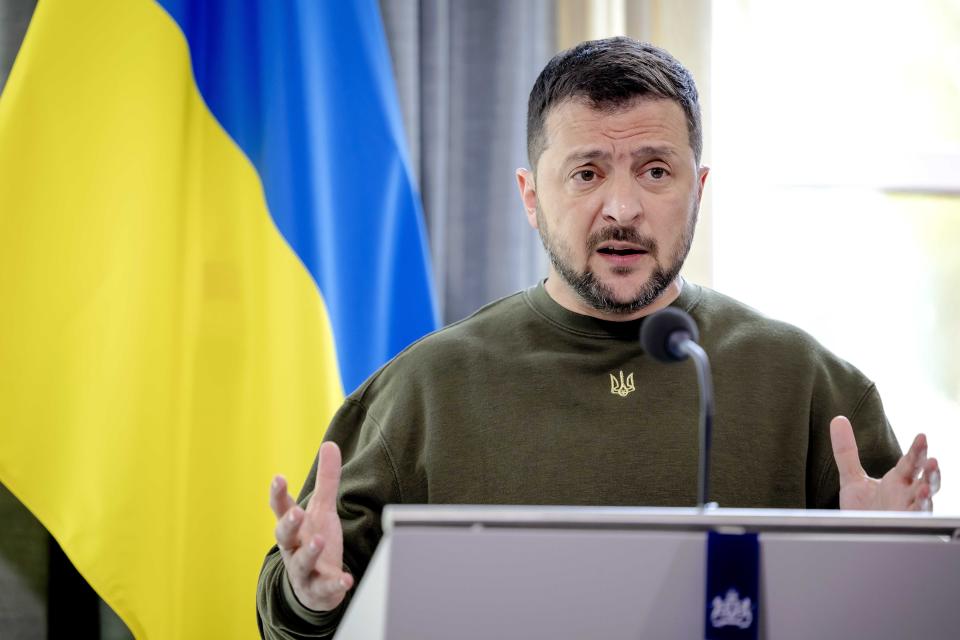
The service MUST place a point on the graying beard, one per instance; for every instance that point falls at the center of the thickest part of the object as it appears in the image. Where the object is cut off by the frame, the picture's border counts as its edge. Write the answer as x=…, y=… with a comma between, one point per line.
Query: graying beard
x=595, y=294
x=600, y=297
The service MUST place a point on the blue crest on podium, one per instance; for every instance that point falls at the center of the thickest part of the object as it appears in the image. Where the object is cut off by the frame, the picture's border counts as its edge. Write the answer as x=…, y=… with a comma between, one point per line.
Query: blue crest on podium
x=733, y=586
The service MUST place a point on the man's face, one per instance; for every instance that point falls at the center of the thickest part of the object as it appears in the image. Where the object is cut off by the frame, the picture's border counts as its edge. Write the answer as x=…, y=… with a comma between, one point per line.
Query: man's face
x=615, y=200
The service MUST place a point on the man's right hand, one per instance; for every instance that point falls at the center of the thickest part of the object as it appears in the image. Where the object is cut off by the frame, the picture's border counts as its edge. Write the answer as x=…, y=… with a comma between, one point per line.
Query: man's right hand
x=311, y=541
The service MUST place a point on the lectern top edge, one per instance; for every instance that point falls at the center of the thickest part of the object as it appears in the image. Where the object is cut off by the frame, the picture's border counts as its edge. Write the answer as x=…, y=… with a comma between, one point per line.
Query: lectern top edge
x=668, y=518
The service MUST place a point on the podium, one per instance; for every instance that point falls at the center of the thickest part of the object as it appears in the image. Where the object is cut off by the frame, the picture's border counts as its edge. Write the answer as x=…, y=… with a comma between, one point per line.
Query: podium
x=471, y=572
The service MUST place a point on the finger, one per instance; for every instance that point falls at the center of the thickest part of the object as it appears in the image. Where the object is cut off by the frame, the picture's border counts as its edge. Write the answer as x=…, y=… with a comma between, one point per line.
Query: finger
x=845, y=450
x=921, y=462
x=288, y=528
x=331, y=583
x=346, y=581
x=909, y=464
x=328, y=477
x=921, y=500
x=280, y=500
x=303, y=561
x=931, y=475
x=321, y=578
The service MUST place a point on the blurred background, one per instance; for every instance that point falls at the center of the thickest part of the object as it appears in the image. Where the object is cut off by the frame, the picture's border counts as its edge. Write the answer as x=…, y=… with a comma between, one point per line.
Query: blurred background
x=833, y=201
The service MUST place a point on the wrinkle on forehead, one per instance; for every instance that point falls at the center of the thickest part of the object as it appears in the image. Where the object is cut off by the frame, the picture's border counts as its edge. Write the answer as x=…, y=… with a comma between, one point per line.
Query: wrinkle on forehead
x=594, y=152
x=577, y=123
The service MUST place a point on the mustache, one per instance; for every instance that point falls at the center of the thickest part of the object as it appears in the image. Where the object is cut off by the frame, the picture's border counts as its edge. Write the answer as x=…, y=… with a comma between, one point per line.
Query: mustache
x=621, y=234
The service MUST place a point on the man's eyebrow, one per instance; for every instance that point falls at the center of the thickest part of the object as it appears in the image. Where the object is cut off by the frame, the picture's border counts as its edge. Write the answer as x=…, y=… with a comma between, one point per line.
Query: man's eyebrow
x=586, y=154
x=643, y=152
x=652, y=150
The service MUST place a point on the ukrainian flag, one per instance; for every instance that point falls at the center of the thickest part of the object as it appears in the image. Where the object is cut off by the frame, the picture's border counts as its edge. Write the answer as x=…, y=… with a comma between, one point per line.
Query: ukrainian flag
x=207, y=232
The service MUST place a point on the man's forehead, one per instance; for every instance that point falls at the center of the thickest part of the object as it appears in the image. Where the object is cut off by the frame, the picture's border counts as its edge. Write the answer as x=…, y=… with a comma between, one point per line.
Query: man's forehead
x=586, y=153
x=578, y=123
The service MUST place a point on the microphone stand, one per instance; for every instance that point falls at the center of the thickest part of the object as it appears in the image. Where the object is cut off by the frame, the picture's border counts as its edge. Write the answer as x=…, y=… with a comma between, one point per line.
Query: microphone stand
x=682, y=342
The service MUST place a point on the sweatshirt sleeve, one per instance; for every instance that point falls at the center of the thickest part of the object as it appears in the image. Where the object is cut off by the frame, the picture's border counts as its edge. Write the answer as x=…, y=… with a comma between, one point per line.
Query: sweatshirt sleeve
x=368, y=482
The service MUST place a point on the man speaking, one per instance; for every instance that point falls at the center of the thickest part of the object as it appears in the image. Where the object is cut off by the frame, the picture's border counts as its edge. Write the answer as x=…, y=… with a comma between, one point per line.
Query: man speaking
x=547, y=397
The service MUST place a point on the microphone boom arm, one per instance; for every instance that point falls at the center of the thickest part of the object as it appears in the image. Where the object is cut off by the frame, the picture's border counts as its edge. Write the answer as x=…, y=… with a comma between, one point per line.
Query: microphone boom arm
x=681, y=342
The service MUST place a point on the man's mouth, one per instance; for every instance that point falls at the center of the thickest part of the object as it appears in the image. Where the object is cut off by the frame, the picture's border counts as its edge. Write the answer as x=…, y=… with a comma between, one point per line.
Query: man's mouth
x=621, y=249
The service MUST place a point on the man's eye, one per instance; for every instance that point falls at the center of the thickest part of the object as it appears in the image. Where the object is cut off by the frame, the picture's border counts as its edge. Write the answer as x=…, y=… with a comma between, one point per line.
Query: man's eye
x=586, y=175
x=658, y=173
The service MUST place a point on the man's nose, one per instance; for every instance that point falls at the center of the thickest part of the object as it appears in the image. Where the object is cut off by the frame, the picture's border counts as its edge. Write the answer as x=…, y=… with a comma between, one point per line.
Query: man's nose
x=624, y=201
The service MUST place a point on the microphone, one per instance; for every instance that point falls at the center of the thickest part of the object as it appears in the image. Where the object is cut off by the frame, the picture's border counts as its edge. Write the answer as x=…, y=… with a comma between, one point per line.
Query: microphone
x=670, y=335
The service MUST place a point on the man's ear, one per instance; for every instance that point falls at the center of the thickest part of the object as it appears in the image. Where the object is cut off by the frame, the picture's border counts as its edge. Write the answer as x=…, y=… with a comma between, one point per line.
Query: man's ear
x=528, y=194
x=702, y=179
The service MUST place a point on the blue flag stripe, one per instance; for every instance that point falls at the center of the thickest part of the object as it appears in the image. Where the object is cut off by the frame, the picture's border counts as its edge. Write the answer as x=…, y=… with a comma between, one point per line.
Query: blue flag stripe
x=306, y=90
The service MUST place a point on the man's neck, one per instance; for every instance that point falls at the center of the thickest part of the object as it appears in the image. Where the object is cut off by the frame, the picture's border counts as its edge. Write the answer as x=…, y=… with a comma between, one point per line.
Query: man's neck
x=563, y=295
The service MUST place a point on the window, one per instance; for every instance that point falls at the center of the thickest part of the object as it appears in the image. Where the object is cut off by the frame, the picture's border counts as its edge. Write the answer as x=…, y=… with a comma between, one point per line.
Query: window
x=836, y=191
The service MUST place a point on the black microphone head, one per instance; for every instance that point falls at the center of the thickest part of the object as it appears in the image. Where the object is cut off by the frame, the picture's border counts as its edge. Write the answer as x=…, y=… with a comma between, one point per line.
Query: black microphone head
x=659, y=327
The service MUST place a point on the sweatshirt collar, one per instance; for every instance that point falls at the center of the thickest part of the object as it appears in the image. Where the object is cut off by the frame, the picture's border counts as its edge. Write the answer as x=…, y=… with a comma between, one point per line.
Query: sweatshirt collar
x=541, y=302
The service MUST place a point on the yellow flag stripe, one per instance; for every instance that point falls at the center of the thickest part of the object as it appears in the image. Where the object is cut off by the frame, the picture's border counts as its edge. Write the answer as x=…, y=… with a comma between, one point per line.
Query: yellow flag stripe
x=163, y=351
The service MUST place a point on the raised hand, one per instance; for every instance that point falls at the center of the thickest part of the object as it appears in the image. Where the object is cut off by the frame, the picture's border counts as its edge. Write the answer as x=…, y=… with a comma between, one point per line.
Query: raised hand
x=311, y=541
x=909, y=486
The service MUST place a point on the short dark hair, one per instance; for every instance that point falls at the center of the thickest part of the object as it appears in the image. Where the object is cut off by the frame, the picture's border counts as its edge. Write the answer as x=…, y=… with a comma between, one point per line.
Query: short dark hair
x=610, y=74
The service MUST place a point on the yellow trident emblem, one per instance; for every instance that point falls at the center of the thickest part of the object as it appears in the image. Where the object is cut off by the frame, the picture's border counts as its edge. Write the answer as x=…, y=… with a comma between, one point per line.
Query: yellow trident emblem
x=621, y=387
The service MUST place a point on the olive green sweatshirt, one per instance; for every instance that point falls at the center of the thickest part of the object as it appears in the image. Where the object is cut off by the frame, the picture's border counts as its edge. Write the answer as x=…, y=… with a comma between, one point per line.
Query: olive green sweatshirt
x=526, y=402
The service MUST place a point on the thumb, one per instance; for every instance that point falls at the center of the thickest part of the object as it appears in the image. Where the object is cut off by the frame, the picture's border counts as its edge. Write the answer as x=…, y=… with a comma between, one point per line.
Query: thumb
x=845, y=450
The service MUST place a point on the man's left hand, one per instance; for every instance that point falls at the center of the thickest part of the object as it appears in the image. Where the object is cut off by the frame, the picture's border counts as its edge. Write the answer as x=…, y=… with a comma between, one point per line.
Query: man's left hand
x=909, y=486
